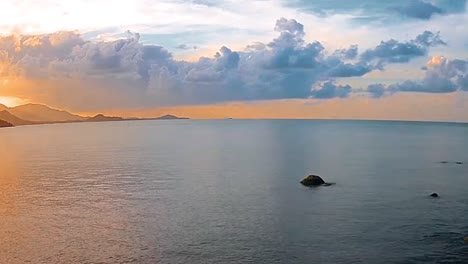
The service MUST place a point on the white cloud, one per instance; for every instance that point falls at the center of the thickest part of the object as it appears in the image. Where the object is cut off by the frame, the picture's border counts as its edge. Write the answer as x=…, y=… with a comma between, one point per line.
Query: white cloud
x=251, y=20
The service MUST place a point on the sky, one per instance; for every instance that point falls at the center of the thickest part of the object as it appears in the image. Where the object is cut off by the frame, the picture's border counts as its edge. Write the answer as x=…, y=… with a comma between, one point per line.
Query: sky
x=368, y=59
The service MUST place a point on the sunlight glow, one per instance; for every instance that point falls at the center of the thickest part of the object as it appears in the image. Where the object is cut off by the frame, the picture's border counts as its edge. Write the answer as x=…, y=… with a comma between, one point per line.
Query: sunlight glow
x=11, y=101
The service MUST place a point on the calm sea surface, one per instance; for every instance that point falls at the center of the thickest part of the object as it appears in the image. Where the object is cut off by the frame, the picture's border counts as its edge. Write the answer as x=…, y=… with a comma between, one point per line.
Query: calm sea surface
x=228, y=191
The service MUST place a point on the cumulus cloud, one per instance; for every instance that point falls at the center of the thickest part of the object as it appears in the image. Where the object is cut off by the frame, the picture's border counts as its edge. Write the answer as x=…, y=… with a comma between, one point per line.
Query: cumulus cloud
x=329, y=89
x=350, y=53
x=376, y=90
x=393, y=51
x=127, y=73
x=441, y=76
x=387, y=52
x=342, y=69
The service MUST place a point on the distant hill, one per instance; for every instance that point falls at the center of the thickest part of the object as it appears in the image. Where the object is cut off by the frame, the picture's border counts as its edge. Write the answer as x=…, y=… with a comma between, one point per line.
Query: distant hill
x=30, y=114
x=8, y=117
x=42, y=113
x=168, y=117
x=5, y=124
x=103, y=118
x=3, y=107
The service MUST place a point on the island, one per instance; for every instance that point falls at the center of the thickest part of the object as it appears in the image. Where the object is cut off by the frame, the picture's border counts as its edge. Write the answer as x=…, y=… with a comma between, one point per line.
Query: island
x=5, y=124
x=169, y=117
x=103, y=118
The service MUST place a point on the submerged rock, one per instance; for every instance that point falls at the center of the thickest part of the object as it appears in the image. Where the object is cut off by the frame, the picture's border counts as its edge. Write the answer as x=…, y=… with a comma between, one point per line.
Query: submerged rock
x=459, y=162
x=313, y=180
x=435, y=195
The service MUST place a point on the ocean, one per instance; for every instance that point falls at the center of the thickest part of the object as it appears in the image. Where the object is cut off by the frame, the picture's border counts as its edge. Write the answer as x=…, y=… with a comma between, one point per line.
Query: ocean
x=228, y=191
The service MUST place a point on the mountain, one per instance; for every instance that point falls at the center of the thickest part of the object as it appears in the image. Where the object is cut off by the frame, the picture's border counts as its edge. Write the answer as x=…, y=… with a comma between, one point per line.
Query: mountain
x=168, y=117
x=5, y=124
x=42, y=113
x=7, y=116
x=103, y=118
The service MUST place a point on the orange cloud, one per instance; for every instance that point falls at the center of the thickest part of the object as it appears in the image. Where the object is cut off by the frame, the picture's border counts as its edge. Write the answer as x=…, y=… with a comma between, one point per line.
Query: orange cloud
x=436, y=60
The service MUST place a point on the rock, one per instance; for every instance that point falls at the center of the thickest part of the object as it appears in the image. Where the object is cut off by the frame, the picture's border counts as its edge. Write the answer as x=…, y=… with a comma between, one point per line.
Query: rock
x=313, y=180
x=466, y=239
x=435, y=195
x=459, y=162
x=444, y=162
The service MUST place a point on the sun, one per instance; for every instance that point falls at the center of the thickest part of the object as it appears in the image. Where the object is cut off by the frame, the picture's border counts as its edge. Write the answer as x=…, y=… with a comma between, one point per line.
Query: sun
x=11, y=101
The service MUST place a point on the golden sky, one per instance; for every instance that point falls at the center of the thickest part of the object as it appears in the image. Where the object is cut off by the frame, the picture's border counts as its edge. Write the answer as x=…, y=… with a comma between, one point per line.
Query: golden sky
x=251, y=59
x=424, y=107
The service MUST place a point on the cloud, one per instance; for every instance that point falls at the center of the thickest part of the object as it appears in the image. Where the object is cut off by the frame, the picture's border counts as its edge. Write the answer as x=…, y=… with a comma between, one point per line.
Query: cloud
x=387, y=52
x=289, y=50
x=441, y=76
x=342, y=69
x=125, y=73
x=451, y=5
x=350, y=53
x=376, y=90
x=329, y=89
x=393, y=51
x=186, y=47
x=419, y=9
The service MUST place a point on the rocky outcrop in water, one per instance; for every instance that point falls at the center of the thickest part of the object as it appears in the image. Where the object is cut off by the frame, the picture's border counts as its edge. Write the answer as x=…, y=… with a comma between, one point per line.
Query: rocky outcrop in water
x=451, y=162
x=434, y=195
x=313, y=180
